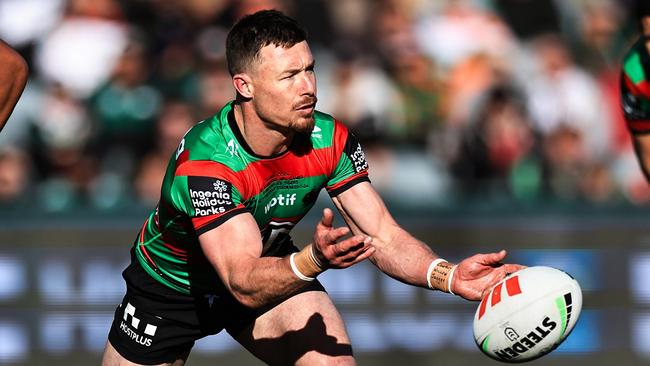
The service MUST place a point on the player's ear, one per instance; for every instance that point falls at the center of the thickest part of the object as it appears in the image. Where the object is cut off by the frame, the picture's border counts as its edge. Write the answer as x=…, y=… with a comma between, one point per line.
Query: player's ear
x=243, y=85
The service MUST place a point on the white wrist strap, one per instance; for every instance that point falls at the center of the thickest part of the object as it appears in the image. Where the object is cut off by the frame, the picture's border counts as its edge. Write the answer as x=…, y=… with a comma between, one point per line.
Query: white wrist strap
x=430, y=269
x=451, y=277
x=296, y=271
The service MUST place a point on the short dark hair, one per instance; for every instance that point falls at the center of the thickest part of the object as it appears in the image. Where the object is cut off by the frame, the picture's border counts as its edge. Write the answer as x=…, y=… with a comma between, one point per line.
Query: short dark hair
x=255, y=31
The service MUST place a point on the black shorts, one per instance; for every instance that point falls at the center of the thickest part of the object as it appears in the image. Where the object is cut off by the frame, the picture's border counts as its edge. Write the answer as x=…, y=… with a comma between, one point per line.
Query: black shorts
x=155, y=324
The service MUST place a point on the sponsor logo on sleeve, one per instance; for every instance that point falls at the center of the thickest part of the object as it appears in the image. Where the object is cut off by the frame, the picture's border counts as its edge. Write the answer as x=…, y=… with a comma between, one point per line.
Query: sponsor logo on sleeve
x=359, y=159
x=354, y=151
x=210, y=196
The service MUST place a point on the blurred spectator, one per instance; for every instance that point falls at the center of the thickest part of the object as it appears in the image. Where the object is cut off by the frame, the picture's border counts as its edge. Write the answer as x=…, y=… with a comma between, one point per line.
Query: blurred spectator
x=597, y=184
x=494, y=143
x=61, y=132
x=564, y=155
x=461, y=29
x=467, y=82
x=421, y=92
x=369, y=114
x=529, y=18
x=518, y=98
x=127, y=105
x=325, y=26
x=175, y=119
x=414, y=74
x=599, y=43
x=175, y=75
x=60, y=149
x=82, y=50
x=14, y=176
x=559, y=92
x=351, y=19
x=243, y=7
x=36, y=19
x=215, y=88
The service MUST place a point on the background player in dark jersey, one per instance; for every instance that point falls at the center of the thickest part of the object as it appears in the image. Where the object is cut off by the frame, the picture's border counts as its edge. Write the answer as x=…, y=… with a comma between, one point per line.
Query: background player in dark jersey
x=215, y=254
x=635, y=89
x=13, y=77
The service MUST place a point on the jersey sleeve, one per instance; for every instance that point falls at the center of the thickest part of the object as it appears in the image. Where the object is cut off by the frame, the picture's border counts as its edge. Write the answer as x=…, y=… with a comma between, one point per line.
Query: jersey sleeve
x=635, y=89
x=207, y=193
x=351, y=166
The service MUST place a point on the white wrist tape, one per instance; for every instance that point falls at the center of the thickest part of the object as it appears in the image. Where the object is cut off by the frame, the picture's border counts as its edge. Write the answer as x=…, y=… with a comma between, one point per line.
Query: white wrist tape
x=451, y=277
x=296, y=271
x=430, y=270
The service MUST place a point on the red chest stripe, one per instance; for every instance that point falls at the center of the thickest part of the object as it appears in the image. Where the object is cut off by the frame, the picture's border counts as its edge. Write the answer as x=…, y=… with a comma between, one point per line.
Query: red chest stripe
x=642, y=88
x=316, y=162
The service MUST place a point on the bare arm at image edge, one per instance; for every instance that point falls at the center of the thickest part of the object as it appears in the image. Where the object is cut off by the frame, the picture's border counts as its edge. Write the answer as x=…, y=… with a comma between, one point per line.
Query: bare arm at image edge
x=13, y=77
x=642, y=148
x=642, y=141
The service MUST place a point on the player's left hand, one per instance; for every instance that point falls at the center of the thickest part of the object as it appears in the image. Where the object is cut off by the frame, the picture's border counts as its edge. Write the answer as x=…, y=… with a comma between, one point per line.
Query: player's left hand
x=476, y=275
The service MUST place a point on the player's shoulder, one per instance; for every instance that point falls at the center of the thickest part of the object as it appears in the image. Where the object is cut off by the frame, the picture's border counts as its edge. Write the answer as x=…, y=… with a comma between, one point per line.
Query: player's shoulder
x=636, y=61
x=327, y=128
x=211, y=140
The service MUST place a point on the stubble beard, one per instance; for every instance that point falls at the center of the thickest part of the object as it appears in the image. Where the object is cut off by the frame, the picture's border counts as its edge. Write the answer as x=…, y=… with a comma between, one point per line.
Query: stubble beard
x=305, y=126
x=305, y=123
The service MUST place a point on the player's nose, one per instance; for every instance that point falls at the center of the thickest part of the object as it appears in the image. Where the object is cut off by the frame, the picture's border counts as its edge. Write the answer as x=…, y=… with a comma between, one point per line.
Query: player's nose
x=308, y=85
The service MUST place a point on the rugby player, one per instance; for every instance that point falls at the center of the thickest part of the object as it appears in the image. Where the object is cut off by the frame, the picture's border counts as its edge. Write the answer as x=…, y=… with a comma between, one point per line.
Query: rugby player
x=635, y=89
x=13, y=77
x=216, y=253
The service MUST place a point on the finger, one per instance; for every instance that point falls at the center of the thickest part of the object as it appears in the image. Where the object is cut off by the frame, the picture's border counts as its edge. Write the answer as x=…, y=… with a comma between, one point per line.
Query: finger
x=353, y=253
x=352, y=247
x=367, y=253
x=512, y=268
x=492, y=258
x=352, y=243
x=333, y=235
x=328, y=218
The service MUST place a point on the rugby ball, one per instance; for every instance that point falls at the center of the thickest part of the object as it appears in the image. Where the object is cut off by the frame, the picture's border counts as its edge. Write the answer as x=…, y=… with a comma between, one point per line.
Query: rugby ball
x=528, y=314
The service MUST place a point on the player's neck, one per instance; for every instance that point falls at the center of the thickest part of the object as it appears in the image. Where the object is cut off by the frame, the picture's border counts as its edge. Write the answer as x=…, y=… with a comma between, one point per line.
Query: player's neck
x=260, y=136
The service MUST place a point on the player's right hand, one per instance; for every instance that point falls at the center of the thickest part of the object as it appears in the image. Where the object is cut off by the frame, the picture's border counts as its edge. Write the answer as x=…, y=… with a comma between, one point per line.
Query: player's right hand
x=476, y=275
x=333, y=253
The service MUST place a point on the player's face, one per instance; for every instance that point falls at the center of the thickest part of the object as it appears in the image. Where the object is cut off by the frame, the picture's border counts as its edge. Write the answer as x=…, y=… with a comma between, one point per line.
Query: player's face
x=285, y=87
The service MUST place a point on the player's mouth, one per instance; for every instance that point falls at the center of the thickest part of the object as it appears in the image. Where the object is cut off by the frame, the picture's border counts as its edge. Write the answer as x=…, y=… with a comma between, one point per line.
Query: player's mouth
x=308, y=106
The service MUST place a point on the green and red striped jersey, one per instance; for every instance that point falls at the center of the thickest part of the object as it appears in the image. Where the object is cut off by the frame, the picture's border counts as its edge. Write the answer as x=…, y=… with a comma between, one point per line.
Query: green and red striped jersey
x=635, y=88
x=214, y=175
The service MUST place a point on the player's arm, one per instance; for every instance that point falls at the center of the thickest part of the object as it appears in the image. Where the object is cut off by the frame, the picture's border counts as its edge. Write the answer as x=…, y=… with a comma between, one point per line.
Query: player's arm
x=234, y=248
x=409, y=260
x=642, y=148
x=634, y=95
x=13, y=77
x=642, y=141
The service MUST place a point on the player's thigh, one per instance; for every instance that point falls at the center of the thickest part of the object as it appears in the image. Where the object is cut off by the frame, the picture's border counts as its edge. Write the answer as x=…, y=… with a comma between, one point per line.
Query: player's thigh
x=305, y=329
x=113, y=358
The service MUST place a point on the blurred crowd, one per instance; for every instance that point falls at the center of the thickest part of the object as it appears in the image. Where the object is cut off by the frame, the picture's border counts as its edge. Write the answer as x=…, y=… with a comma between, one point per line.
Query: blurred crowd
x=454, y=100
